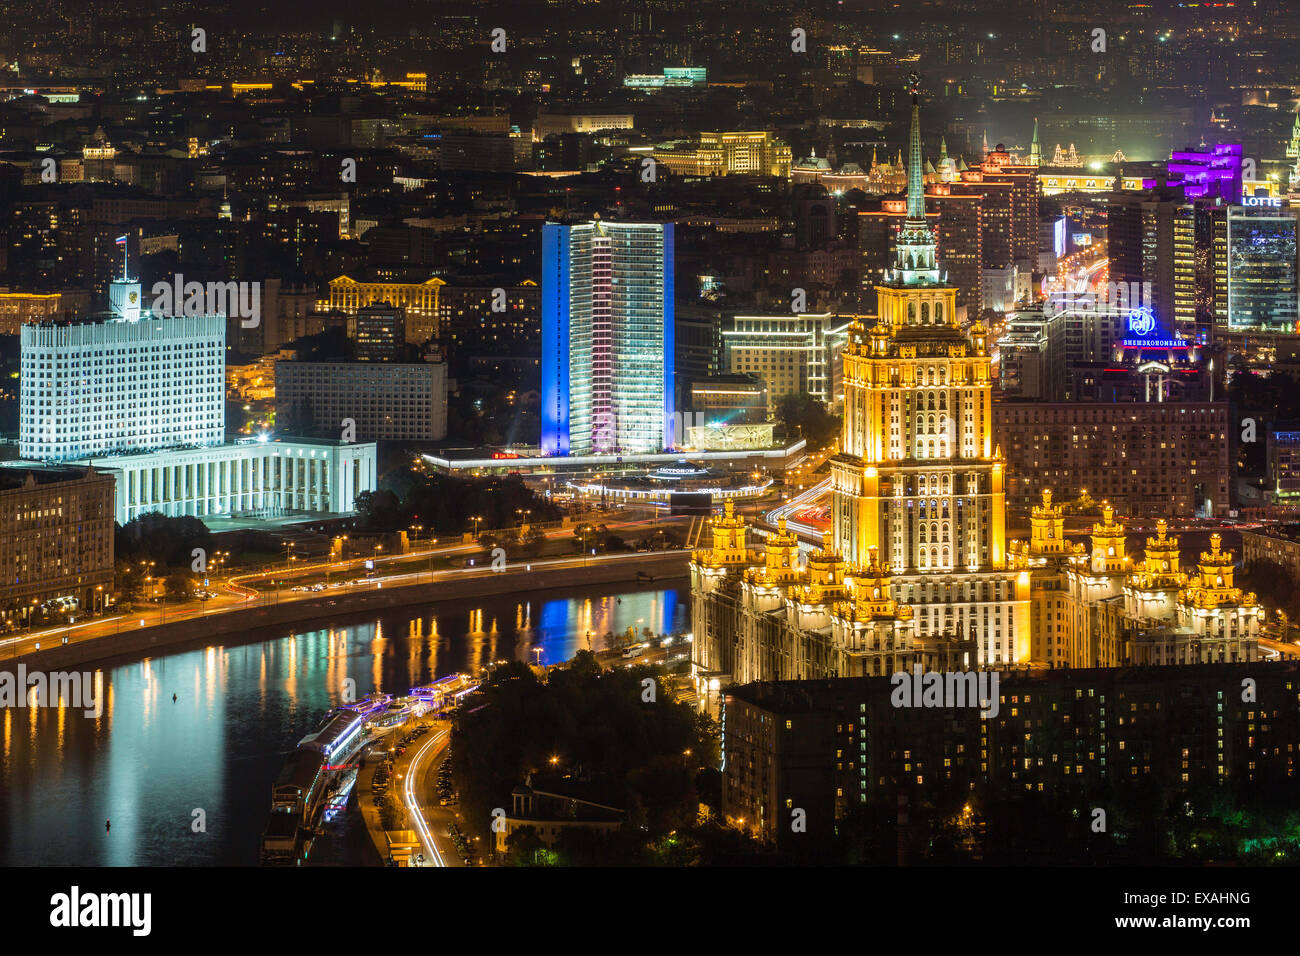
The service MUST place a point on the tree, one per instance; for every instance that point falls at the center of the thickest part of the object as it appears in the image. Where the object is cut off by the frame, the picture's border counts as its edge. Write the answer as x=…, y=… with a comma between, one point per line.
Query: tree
x=181, y=586
x=1274, y=584
x=169, y=541
x=379, y=510
x=620, y=750
x=663, y=794
x=524, y=847
x=805, y=416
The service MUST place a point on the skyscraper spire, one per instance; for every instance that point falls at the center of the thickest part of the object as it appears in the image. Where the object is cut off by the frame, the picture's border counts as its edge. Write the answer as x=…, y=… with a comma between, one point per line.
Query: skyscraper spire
x=915, y=254
x=915, y=175
x=1035, y=150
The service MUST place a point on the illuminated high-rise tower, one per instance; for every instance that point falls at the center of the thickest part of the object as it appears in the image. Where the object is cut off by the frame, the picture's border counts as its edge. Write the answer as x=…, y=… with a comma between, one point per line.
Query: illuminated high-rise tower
x=607, y=338
x=917, y=478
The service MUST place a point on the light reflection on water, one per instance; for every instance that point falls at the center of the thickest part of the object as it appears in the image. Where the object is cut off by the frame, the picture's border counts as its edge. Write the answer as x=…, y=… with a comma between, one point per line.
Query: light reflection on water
x=147, y=763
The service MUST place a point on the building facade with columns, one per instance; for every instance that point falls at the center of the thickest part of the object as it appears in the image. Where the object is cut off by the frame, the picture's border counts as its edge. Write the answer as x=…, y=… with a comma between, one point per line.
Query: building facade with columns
x=267, y=480
x=140, y=396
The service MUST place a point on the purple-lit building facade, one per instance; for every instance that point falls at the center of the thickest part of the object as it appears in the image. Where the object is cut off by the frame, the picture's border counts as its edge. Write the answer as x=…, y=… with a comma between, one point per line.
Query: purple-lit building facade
x=1207, y=174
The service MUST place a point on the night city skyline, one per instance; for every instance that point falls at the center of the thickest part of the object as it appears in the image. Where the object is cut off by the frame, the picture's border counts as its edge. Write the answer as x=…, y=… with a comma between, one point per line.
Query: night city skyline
x=566, y=434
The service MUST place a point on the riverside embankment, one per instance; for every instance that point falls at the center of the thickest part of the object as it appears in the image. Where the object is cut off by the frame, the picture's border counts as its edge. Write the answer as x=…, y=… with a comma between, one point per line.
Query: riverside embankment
x=258, y=621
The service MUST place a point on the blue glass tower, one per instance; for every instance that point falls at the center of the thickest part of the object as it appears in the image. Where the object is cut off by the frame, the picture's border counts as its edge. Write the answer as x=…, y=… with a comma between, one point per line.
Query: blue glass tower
x=607, y=338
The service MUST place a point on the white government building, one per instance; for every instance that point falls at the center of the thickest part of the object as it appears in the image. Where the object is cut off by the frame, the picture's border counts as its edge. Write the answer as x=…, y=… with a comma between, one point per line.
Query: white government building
x=142, y=396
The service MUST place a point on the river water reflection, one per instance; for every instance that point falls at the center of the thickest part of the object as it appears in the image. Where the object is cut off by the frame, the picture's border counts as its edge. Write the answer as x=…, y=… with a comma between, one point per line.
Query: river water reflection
x=148, y=763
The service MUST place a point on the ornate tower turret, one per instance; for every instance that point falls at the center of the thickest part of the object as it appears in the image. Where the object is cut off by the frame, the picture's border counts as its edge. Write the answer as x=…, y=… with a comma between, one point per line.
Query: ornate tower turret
x=1047, y=524
x=1153, y=586
x=1212, y=585
x=824, y=578
x=1108, y=543
x=1226, y=620
x=875, y=634
x=780, y=560
x=729, y=545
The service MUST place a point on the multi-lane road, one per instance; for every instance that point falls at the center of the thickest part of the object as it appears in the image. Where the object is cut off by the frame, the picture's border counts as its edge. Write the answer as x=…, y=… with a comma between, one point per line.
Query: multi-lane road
x=276, y=586
x=412, y=790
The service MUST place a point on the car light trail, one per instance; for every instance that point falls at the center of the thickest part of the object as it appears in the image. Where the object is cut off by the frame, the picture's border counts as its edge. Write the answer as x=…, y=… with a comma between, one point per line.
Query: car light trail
x=421, y=825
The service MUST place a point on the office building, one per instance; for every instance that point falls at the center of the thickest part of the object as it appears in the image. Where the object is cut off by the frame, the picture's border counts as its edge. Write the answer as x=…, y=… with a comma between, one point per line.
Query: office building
x=141, y=396
x=1032, y=356
x=918, y=480
x=1210, y=172
x=251, y=480
x=97, y=386
x=1283, y=463
x=1011, y=186
x=792, y=353
x=419, y=300
x=553, y=124
x=1008, y=223
x=477, y=320
x=1141, y=230
x=379, y=333
x=385, y=401
x=56, y=538
x=915, y=567
x=728, y=153
x=960, y=235
x=607, y=338
x=1262, y=270
x=697, y=340
x=19, y=308
x=1280, y=546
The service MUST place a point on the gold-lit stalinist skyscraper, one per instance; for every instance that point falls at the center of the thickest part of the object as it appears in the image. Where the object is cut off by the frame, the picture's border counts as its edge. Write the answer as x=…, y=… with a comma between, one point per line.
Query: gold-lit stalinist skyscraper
x=918, y=479
x=916, y=569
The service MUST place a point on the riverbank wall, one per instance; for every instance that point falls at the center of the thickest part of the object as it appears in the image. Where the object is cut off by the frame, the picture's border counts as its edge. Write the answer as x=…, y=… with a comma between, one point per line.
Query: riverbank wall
x=257, y=622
